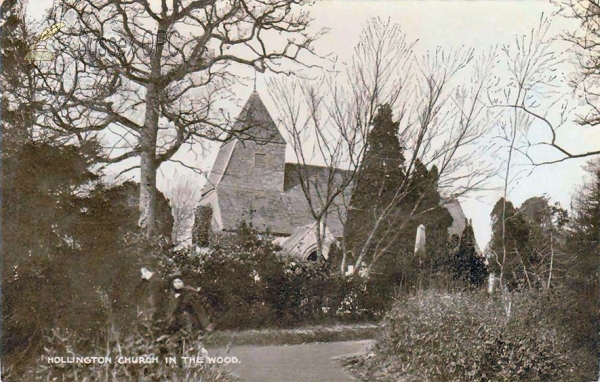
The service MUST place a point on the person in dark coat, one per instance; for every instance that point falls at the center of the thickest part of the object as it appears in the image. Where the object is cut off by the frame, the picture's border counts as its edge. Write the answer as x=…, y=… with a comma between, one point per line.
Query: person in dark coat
x=152, y=293
x=186, y=304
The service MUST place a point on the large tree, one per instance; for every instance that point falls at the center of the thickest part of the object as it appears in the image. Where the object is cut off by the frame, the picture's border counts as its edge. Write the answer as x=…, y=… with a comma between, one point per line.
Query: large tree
x=67, y=240
x=583, y=242
x=37, y=193
x=150, y=75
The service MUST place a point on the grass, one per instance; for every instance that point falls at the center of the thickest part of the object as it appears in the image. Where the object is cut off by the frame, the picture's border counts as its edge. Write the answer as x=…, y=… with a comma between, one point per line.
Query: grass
x=310, y=334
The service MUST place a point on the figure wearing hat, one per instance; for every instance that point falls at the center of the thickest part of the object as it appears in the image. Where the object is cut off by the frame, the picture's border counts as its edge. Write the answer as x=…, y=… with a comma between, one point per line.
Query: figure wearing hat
x=186, y=304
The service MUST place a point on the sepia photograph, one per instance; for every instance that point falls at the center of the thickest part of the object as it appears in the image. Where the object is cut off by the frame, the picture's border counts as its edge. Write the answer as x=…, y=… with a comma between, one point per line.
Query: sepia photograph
x=300, y=190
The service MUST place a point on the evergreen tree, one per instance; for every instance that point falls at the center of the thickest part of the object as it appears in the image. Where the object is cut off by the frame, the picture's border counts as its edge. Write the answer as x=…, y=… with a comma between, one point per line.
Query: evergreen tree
x=586, y=223
x=66, y=244
x=19, y=106
x=202, y=228
x=467, y=265
x=516, y=242
x=38, y=181
x=378, y=179
x=383, y=193
x=423, y=193
x=583, y=244
x=535, y=236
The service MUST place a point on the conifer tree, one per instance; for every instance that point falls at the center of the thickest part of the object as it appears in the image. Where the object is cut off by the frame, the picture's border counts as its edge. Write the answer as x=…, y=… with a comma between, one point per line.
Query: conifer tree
x=509, y=250
x=467, y=264
x=18, y=102
x=383, y=193
x=583, y=243
x=378, y=178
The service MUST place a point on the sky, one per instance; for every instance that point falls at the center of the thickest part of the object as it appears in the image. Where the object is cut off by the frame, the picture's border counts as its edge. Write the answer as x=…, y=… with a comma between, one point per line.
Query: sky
x=450, y=24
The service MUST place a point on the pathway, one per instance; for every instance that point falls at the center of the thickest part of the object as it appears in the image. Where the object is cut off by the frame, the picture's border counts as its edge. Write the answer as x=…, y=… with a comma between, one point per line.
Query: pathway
x=296, y=363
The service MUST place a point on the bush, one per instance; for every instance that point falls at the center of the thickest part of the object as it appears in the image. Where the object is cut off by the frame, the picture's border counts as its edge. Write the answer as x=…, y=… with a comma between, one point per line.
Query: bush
x=467, y=337
x=249, y=284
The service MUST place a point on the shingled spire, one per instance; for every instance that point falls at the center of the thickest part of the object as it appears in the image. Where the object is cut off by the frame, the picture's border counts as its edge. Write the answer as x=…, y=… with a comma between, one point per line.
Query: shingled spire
x=255, y=123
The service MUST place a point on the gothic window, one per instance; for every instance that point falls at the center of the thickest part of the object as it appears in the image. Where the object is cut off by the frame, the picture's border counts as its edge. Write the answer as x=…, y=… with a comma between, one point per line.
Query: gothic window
x=312, y=256
x=260, y=160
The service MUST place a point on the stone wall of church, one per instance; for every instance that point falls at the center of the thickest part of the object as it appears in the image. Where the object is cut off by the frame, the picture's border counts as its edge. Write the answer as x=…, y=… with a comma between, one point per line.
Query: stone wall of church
x=256, y=166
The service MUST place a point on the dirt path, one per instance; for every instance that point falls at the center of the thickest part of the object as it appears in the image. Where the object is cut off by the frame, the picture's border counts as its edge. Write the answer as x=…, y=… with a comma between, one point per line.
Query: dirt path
x=297, y=363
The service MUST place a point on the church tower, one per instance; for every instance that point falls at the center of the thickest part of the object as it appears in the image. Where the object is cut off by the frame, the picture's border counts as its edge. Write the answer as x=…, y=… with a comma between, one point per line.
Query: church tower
x=254, y=156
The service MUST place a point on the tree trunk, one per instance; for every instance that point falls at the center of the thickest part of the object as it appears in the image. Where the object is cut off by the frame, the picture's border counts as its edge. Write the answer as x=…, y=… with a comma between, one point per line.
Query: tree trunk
x=148, y=193
x=148, y=165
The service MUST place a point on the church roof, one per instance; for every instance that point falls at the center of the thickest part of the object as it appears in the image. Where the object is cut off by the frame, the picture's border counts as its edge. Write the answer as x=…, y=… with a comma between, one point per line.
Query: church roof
x=255, y=123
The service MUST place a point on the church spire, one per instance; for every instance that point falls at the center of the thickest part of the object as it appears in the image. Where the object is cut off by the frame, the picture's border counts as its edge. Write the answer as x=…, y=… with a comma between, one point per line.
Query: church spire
x=255, y=123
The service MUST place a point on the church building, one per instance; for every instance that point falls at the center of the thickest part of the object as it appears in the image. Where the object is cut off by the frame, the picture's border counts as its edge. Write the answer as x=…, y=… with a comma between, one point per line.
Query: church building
x=251, y=181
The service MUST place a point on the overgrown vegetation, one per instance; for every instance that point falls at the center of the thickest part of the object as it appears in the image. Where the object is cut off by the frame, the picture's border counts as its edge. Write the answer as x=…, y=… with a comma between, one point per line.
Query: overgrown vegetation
x=70, y=246
x=437, y=336
x=541, y=327
x=249, y=283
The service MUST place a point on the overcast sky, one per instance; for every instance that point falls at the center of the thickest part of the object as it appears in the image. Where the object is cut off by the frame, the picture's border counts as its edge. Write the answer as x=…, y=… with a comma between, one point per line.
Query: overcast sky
x=450, y=24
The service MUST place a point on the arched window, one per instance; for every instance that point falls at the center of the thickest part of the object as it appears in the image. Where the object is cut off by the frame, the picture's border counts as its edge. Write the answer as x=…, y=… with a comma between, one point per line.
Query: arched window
x=312, y=256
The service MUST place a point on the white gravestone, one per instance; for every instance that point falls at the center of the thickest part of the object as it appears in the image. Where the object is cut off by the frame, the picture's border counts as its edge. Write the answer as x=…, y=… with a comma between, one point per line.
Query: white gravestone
x=420, y=241
x=492, y=282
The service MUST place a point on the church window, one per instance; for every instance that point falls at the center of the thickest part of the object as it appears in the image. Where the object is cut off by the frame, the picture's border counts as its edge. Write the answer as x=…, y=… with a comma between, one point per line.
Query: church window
x=260, y=160
x=313, y=256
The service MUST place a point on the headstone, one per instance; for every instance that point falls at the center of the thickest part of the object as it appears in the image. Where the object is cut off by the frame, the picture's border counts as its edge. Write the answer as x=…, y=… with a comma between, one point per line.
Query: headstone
x=350, y=270
x=492, y=282
x=420, y=241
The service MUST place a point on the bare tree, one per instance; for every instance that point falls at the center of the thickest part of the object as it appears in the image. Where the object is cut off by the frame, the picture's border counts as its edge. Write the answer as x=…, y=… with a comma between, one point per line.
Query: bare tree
x=583, y=51
x=440, y=122
x=151, y=76
x=529, y=93
x=184, y=195
x=302, y=104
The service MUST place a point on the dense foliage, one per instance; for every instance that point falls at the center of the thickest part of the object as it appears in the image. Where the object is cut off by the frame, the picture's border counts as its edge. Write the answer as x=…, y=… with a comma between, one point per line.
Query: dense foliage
x=583, y=271
x=465, y=264
x=528, y=249
x=70, y=245
x=249, y=282
x=378, y=180
x=19, y=106
x=468, y=337
x=202, y=228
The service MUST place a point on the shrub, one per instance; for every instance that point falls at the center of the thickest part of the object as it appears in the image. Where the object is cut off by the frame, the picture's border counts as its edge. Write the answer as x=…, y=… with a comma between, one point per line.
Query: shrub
x=249, y=283
x=467, y=337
